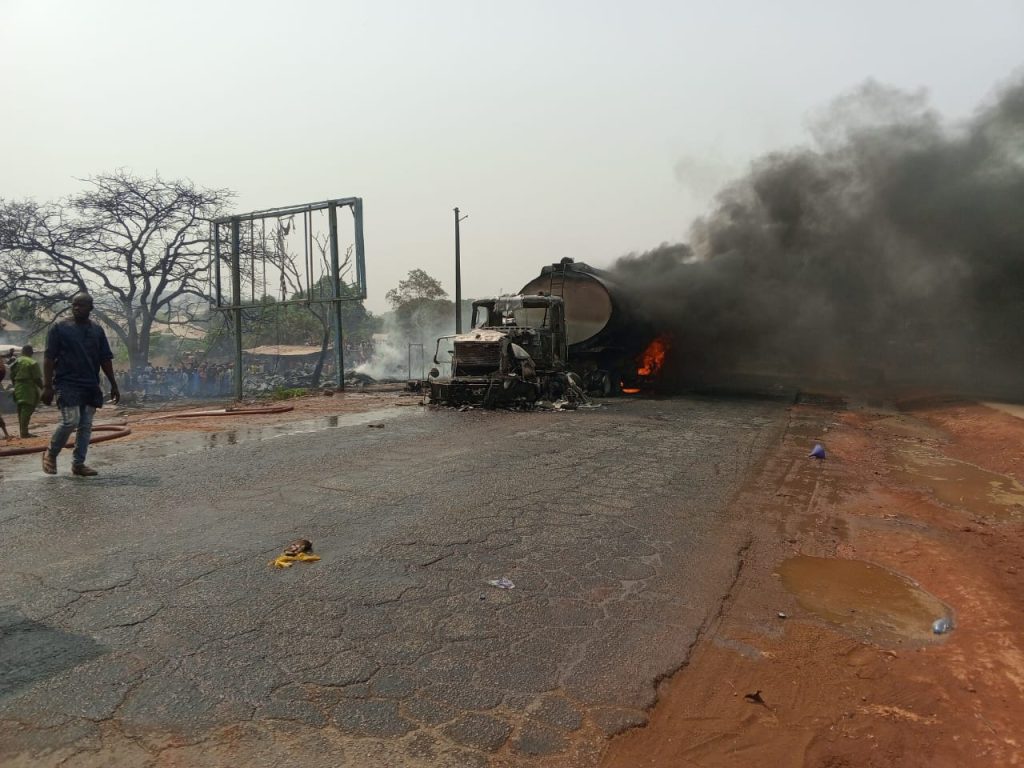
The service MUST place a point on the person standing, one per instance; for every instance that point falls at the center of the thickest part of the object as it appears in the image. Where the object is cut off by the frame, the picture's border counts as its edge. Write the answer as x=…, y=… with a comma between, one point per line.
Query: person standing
x=3, y=425
x=28, y=383
x=76, y=350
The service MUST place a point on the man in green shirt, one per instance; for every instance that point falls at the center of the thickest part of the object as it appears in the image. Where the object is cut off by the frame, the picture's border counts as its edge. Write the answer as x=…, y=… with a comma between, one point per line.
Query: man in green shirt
x=28, y=383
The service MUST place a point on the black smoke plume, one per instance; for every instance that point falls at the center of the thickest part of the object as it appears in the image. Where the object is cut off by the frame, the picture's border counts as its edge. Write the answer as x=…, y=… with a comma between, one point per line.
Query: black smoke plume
x=891, y=252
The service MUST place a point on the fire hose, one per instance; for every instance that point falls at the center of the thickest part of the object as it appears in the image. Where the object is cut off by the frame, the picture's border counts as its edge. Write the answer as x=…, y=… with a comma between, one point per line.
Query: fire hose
x=111, y=432
x=114, y=431
x=223, y=412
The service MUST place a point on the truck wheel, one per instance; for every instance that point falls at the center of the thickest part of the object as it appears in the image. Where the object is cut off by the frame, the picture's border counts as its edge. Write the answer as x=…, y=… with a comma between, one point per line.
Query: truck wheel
x=614, y=383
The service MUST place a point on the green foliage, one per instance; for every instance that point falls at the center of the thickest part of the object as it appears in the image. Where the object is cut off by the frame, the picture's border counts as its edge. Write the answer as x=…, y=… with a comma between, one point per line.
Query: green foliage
x=286, y=393
x=421, y=307
x=273, y=323
x=418, y=286
x=20, y=309
x=422, y=320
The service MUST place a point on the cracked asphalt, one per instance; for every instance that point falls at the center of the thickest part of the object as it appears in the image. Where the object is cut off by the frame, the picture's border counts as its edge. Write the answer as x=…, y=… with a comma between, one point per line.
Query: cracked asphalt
x=140, y=623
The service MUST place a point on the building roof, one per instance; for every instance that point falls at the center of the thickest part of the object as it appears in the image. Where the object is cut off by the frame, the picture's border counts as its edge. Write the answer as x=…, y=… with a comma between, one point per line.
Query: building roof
x=283, y=350
x=180, y=330
x=10, y=326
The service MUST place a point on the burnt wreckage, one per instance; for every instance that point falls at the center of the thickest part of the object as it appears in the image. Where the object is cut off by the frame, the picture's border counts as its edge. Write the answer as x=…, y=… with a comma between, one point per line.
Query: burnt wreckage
x=565, y=335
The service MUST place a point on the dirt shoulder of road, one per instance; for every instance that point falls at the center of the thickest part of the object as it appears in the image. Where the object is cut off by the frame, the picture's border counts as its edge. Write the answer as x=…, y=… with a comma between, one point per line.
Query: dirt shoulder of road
x=804, y=669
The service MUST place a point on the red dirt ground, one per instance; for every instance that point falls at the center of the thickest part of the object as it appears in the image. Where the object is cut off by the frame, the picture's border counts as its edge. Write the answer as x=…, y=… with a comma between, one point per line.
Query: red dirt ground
x=835, y=695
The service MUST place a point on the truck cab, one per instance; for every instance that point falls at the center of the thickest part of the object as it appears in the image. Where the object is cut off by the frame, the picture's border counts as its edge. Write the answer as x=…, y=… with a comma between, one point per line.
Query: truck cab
x=534, y=323
x=516, y=351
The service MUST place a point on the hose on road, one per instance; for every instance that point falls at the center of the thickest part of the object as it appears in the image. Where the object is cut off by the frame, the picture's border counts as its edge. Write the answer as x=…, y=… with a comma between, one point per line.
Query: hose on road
x=109, y=432
x=113, y=431
x=223, y=412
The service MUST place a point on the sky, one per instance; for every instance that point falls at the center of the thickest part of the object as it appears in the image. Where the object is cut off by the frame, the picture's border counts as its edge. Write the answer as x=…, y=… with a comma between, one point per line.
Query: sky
x=562, y=128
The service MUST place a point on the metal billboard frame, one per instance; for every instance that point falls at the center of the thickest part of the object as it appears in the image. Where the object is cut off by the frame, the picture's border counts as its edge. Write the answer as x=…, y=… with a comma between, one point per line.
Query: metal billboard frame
x=237, y=303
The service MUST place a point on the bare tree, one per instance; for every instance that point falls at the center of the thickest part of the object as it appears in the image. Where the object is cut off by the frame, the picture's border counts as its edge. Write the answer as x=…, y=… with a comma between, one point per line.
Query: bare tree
x=140, y=246
x=294, y=283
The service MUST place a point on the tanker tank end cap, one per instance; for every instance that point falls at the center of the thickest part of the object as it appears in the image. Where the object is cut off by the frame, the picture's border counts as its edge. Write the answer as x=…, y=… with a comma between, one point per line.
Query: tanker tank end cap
x=817, y=452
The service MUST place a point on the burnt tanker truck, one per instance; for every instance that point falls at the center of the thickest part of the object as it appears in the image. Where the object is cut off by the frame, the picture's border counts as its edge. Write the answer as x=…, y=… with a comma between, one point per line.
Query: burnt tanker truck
x=566, y=334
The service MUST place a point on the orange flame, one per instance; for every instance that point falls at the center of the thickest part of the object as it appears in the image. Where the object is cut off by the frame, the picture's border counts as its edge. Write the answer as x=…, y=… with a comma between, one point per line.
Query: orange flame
x=653, y=357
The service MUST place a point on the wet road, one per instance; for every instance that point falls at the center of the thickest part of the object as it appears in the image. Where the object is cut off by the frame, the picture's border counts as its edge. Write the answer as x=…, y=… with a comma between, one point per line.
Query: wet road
x=141, y=624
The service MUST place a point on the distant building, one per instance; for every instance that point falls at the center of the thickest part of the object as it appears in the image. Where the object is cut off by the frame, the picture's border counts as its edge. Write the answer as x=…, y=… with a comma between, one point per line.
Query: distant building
x=180, y=330
x=12, y=335
x=283, y=357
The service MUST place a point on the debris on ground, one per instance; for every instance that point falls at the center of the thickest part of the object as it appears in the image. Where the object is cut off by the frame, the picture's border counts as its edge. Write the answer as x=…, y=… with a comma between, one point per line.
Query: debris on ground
x=375, y=426
x=361, y=379
x=755, y=698
x=817, y=452
x=503, y=583
x=942, y=626
x=300, y=550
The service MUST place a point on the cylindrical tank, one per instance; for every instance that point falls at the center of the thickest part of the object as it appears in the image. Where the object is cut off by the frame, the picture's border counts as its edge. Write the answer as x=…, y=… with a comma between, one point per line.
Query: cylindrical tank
x=596, y=318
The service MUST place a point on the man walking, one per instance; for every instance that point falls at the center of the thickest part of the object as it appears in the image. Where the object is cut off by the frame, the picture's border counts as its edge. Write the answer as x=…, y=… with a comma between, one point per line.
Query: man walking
x=28, y=382
x=76, y=350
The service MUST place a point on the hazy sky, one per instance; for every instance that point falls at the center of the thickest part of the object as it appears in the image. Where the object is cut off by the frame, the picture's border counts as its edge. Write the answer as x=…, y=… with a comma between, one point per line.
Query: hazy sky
x=584, y=129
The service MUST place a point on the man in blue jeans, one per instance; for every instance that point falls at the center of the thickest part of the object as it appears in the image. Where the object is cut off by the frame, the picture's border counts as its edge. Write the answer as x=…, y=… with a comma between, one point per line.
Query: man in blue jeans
x=76, y=350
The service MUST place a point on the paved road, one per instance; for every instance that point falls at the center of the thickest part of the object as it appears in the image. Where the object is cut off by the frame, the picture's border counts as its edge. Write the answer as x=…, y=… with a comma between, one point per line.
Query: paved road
x=141, y=624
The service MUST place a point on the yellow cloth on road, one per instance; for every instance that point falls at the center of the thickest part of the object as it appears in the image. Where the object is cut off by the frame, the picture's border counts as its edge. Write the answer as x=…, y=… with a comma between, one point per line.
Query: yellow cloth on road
x=285, y=561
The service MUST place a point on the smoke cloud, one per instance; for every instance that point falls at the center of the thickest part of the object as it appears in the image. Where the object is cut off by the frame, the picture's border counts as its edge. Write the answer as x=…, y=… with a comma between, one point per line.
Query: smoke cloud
x=889, y=252
x=393, y=358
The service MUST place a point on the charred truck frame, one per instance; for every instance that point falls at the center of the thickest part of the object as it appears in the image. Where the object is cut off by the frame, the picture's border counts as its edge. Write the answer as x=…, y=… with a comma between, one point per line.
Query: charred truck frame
x=565, y=334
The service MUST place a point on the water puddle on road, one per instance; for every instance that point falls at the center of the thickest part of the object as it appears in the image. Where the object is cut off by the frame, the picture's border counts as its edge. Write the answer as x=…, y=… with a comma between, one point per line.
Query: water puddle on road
x=864, y=599
x=234, y=431
x=233, y=434
x=959, y=484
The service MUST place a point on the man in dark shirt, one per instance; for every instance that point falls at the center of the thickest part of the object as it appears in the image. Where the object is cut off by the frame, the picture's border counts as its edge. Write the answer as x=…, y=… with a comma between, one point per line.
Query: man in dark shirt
x=76, y=350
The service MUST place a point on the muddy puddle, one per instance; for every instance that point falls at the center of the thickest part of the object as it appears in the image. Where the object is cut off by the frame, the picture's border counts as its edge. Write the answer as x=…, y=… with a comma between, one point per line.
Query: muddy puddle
x=958, y=484
x=863, y=599
x=236, y=433
x=233, y=431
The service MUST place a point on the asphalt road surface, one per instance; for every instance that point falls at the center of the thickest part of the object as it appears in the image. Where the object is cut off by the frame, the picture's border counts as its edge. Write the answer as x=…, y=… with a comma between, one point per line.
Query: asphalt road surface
x=140, y=622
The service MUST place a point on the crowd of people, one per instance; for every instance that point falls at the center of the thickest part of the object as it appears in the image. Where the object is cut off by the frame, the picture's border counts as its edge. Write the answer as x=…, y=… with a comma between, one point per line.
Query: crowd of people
x=185, y=380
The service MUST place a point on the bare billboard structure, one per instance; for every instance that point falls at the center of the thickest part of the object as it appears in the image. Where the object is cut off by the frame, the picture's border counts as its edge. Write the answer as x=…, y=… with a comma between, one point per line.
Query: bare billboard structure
x=288, y=256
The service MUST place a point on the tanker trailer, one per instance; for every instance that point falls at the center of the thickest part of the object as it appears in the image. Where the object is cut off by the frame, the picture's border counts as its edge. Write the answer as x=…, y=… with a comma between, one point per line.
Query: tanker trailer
x=566, y=334
x=604, y=337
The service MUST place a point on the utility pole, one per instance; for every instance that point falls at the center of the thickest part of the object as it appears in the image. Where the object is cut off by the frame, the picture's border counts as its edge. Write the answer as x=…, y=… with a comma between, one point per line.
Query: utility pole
x=458, y=274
